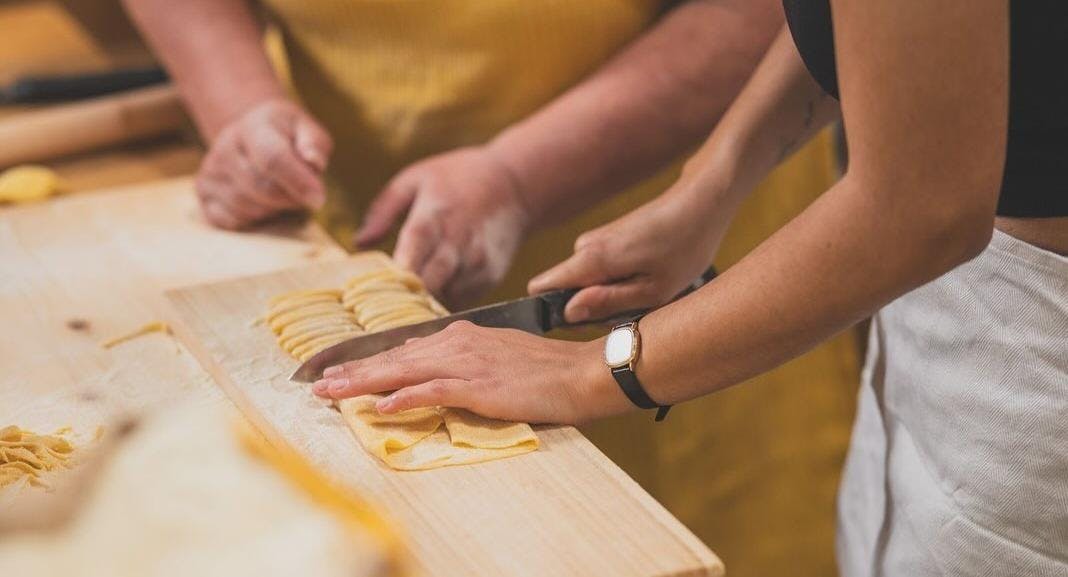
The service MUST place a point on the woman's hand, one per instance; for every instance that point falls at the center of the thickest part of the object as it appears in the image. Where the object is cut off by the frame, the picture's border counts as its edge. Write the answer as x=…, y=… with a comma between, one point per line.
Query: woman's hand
x=497, y=373
x=268, y=161
x=465, y=221
x=643, y=259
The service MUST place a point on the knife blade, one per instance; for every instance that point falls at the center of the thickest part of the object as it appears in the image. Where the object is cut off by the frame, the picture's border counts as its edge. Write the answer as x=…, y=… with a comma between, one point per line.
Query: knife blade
x=536, y=314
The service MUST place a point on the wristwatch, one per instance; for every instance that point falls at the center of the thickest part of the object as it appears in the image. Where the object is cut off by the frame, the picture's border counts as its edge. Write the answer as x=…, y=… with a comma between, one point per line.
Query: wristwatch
x=621, y=351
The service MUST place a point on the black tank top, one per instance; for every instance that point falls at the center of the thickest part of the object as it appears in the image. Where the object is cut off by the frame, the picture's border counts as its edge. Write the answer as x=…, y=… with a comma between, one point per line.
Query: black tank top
x=1035, y=183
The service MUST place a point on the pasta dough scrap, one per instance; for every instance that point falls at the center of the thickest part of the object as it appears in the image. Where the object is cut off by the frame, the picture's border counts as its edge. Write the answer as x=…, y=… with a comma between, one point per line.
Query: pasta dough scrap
x=307, y=322
x=153, y=327
x=28, y=183
x=29, y=457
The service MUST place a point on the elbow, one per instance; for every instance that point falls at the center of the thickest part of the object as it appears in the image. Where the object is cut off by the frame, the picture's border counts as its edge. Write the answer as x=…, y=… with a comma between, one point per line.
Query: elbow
x=967, y=236
x=939, y=223
x=955, y=231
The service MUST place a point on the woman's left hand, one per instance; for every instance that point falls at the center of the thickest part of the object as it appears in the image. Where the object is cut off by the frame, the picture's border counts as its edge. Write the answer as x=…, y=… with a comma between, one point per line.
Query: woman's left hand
x=497, y=373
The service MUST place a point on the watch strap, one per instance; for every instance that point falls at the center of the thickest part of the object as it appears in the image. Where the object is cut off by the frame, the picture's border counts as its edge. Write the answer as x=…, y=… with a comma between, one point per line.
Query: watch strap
x=632, y=388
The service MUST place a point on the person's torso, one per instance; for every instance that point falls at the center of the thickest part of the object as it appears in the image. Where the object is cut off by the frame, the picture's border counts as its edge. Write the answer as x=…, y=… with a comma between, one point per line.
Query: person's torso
x=428, y=75
x=1035, y=183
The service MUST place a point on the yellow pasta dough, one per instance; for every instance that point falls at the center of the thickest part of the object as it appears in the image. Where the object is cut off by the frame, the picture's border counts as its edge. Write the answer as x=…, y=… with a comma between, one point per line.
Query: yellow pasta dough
x=28, y=183
x=307, y=322
x=29, y=456
x=153, y=327
x=432, y=437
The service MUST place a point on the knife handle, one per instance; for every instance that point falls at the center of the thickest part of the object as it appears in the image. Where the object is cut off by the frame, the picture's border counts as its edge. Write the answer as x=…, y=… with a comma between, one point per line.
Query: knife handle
x=556, y=301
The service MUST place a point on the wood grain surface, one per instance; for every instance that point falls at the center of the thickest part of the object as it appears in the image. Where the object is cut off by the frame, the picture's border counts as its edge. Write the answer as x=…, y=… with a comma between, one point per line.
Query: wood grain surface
x=78, y=270
x=563, y=510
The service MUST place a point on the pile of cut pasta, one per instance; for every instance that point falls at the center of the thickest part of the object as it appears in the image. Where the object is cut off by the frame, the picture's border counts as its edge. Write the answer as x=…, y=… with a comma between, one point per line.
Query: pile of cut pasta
x=28, y=456
x=306, y=322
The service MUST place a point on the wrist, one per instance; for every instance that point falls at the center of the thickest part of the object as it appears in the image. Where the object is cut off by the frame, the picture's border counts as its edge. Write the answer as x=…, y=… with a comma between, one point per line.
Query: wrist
x=239, y=106
x=701, y=213
x=516, y=193
x=595, y=391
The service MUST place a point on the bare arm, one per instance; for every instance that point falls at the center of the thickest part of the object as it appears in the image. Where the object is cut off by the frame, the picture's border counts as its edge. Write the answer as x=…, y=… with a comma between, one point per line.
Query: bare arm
x=214, y=51
x=926, y=112
x=650, y=104
x=925, y=104
x=468, y=210
x=646, y=257
x=267, y=154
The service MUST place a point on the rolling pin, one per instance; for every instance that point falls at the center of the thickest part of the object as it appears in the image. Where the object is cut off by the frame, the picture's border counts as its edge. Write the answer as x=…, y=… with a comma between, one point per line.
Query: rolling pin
x=62, y=130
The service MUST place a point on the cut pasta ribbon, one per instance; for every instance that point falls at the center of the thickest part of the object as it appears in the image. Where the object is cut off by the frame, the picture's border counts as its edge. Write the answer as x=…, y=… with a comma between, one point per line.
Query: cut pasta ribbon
x=29, y=457
x=308, y=321
x=154, y=327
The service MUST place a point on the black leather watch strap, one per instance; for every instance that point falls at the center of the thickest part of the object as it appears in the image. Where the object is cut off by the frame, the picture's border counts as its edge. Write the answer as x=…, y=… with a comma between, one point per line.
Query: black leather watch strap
x=632, y=387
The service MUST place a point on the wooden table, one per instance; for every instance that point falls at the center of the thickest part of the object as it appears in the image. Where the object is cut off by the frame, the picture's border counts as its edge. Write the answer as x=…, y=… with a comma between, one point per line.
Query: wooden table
x=81, y=269
x=77, y=270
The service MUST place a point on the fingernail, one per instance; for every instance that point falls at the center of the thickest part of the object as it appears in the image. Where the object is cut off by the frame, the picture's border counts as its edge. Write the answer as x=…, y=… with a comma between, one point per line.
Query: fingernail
x=320, y=386
x=332, y=371
x=385, y=404
x=337, y=385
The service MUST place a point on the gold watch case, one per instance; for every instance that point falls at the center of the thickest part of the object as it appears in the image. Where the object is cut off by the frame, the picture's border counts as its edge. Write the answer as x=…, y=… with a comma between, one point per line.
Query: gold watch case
x=622, y=346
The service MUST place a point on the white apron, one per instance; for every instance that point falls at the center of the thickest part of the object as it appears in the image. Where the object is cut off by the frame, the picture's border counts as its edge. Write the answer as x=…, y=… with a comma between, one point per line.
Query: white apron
x=959, y=458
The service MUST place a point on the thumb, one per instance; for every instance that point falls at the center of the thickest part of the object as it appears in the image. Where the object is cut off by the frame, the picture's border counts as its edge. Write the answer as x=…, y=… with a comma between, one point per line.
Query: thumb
x=601, y=302
x=383, y=213
x=584, y=268
x=312, y=142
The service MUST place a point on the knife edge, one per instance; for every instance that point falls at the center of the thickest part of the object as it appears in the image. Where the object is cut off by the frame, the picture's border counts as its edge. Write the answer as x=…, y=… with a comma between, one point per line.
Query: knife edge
x=531, y=314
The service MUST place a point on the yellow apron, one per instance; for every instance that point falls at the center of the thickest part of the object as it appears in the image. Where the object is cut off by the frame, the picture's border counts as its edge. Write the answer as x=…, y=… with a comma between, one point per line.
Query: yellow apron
x=752, y=471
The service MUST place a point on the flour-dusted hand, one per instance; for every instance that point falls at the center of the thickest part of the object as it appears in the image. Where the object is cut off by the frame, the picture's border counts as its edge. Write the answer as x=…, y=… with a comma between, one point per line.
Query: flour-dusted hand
x=466, y=218
x=268, y=161
x=497, y=373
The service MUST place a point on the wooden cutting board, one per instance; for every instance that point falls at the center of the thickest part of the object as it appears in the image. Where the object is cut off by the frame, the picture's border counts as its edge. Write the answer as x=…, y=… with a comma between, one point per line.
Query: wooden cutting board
x=563, y=510
x=78, y=270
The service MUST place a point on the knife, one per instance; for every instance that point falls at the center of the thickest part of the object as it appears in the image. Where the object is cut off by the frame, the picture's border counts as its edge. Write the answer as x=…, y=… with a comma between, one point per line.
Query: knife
x=536, y=314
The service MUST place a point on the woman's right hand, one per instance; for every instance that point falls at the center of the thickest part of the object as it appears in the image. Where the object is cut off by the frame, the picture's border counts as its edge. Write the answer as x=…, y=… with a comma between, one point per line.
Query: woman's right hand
x=268, y=161
x=641, y=260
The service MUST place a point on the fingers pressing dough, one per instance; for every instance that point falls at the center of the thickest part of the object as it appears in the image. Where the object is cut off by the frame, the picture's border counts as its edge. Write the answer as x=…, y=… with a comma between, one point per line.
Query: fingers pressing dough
x=309, y=321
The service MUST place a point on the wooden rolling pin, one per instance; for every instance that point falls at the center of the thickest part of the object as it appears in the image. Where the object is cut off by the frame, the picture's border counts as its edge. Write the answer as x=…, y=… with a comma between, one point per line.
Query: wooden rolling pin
x=61, y=130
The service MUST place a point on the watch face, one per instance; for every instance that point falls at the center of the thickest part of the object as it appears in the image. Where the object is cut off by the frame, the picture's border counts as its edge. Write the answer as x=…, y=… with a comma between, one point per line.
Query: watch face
x=620, y=346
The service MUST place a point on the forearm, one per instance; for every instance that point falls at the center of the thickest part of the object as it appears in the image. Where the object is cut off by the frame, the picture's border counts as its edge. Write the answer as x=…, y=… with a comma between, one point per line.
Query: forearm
x=646, y=107
x=926, y=155
x=213, y=50
x=827, y=269
x=778, y=111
